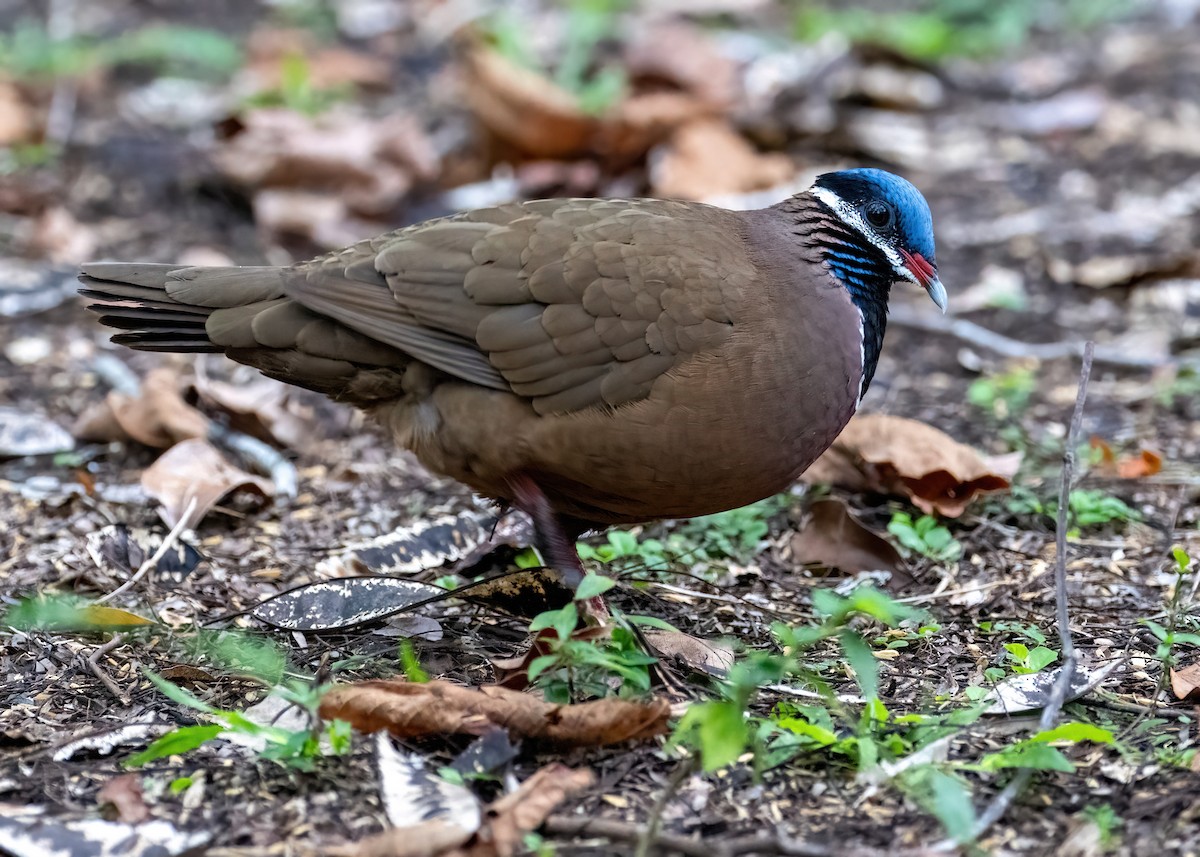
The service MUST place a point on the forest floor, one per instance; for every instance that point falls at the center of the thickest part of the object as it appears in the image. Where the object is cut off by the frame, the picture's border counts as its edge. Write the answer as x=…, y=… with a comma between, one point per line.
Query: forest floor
x=1065, y=185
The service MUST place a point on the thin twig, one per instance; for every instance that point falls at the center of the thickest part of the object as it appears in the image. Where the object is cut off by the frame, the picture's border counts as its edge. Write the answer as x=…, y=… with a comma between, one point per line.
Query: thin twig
x=1058, y=693
x=152, y=562
x=623, y=831
x=98, y=671
x=653, y=827
x=977, y=335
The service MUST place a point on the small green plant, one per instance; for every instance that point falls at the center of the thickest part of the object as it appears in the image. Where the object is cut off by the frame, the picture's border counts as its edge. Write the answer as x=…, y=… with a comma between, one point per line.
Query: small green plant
x=732, y=535
x=1183, y=386
x=30, y=53
x=578, y=70
x=925, y=536
x=932, y=29
x=1025, y=660
x=1169, y=635
x=1108, y=824
x=294, y=748
x=1092, y=508
x=587, y=663
x=296, y=90
x=1003, y=395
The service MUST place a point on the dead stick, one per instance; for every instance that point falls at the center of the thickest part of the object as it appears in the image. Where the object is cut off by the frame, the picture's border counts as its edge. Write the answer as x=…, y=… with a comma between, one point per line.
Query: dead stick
x=979, y=336
x=99, y=672
x=152, y=562
x=1058, y=693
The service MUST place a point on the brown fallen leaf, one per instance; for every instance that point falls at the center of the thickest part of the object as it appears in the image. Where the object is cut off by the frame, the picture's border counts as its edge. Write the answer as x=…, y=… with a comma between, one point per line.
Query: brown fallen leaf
x=1145, y=463
x=708, y=157
x=268, y=51
x=508, y=819
x=529, y=111
x=411, y=710
x=158, y=416
x=124, y=793
x=261, y=407
x=833, y=538
x=896, y=455
x=685, y=56
x=196, y=470
x=706, y=656
x=1185, y=682
x=16, y=119
x=324, y=177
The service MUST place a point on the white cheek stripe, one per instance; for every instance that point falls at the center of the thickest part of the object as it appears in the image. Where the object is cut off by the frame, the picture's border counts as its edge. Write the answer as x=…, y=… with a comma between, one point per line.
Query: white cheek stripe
x=862, y=357
x=850, y=216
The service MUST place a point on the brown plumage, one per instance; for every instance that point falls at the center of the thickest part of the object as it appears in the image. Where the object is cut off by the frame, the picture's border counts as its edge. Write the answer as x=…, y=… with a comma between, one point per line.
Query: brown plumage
x=594, y=361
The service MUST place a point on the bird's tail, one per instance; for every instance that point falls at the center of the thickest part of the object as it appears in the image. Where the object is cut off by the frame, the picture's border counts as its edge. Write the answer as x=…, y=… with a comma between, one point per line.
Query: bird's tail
x=169, y=308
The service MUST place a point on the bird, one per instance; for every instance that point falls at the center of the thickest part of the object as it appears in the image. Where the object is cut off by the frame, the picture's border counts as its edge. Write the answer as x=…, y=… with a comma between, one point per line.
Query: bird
x=594, y=362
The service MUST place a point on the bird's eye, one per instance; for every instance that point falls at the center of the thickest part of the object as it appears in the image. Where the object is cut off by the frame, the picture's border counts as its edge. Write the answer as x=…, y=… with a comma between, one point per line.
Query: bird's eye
x=878, y=214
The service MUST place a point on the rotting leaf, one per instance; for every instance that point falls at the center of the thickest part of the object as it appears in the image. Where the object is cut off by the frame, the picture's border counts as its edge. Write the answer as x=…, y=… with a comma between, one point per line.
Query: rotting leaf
x=196, y=470
x=121, y=550
x=1185, y=682
x=833, y=538
x=526, y=593
x=442, y=708
x=158, y=416
x=124, y=793
x=1030, y=691
x=707, y=656
x=408, y=790
x=454, y=540
x=896, y=455
x=1145, y=463
x=261, y=407
x=507, y=820
x=334, y=605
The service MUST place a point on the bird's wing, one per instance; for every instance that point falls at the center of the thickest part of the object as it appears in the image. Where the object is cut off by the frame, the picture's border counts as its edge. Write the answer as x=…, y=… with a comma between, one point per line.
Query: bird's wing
x=569, y=303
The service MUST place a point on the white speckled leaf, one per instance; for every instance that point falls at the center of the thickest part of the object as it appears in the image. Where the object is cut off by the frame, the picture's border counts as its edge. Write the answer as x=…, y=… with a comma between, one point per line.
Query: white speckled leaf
x=333, y=605
x=411, y=795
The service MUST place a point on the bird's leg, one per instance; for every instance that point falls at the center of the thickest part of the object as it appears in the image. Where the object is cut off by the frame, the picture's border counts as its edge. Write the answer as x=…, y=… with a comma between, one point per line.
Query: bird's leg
x=555, y=542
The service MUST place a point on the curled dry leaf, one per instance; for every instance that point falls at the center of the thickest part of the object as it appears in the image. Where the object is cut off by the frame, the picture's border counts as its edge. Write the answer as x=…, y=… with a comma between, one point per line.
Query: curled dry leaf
x=1185, y=682
x=708, y=157
x=158, y=416
x=195, y=469
x=896, y=455
x=410, y=710
x=833, y=538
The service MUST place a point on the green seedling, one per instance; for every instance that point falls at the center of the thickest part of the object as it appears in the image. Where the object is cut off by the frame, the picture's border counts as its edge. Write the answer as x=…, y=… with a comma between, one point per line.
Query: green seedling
x=925, y=536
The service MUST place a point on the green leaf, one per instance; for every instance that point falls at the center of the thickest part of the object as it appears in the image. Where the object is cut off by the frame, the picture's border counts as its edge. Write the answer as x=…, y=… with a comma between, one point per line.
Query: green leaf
x=866, y=668
x=946, y=797
x=1040, y=658
x=412, y=666
x=177, y=694
x=1035, y=755
x=540, y=664
x=1075, y=732
x=175, y=743
x=722, y=732
x=593, y=585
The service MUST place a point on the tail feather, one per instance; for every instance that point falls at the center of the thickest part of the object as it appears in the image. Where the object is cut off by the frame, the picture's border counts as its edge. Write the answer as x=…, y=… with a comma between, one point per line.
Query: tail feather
x=133, y=297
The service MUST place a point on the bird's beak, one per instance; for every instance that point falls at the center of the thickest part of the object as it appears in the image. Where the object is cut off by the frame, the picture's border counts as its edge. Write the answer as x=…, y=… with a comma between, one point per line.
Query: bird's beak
x=937, y=292
x=925, y=274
